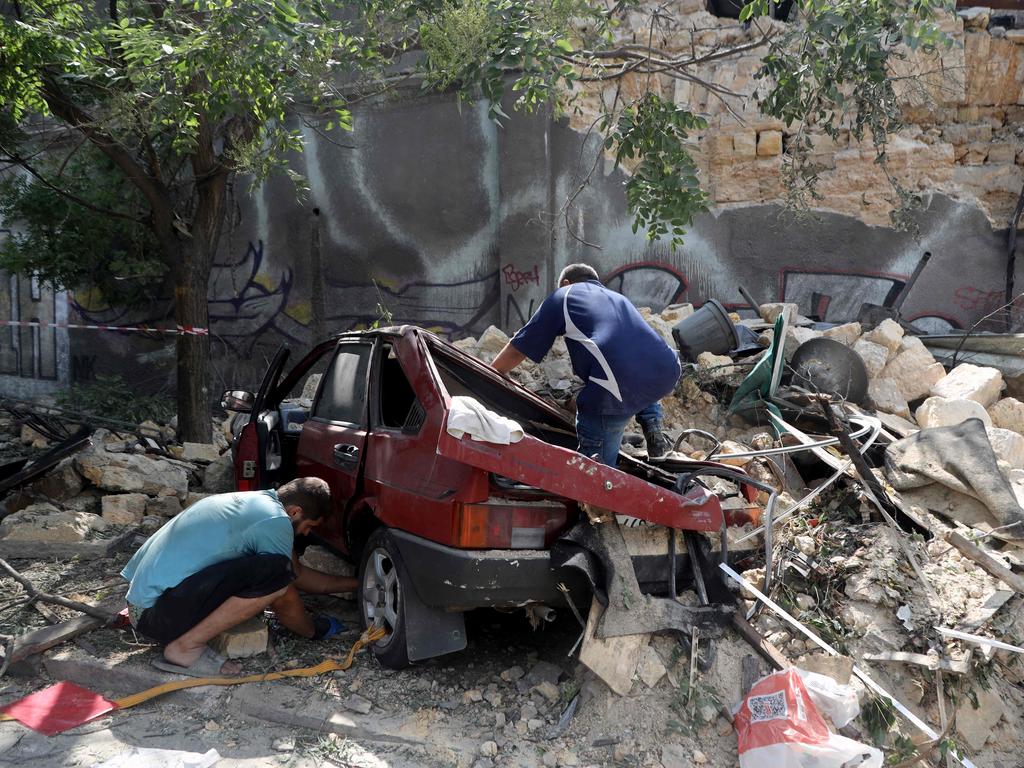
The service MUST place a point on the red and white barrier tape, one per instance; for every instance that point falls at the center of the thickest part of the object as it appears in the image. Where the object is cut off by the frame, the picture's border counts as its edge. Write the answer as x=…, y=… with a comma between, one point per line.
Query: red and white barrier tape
x=186, y=330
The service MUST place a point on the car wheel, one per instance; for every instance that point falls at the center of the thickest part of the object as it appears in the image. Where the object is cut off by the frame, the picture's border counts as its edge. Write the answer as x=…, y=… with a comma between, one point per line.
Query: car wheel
x=382, y=600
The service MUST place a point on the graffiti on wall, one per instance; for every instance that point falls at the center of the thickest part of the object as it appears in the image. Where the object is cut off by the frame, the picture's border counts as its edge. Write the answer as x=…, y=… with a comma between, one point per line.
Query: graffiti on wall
x=648, y=284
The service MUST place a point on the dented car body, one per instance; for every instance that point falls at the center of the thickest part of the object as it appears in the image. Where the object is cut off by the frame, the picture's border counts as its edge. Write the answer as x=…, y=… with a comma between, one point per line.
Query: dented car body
x=440, y=525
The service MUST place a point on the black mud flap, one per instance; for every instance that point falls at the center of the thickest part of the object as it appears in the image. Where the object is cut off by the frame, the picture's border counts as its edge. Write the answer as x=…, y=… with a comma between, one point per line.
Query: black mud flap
x=429, y=632
x=599, y=551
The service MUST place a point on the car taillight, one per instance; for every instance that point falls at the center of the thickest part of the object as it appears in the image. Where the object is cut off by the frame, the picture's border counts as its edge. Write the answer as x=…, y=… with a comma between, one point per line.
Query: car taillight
x=507, y=524
x=247, y=452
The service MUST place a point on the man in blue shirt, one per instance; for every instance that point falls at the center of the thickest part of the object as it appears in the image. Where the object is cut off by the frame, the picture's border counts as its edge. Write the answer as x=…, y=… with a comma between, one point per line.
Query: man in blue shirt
x=625, y=365
x=224, y=560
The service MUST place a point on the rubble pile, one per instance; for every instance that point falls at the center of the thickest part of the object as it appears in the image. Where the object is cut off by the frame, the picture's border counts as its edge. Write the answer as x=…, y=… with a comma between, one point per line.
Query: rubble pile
x=112, y=485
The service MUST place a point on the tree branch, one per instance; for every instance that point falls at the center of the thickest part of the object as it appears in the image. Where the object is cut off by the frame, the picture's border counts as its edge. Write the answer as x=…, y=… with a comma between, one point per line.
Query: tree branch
x=46, y=597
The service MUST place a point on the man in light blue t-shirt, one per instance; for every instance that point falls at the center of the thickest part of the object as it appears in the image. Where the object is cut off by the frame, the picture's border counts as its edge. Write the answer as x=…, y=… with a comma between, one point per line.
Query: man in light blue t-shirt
x=625, y=365
x=224, y=560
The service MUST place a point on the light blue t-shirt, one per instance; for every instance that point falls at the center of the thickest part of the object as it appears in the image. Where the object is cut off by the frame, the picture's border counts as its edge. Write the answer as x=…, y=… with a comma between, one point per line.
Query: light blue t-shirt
x=214, y=529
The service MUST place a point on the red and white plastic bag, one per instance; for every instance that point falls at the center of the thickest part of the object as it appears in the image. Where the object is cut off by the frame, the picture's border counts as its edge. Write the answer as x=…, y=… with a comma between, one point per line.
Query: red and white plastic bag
x=780, y=726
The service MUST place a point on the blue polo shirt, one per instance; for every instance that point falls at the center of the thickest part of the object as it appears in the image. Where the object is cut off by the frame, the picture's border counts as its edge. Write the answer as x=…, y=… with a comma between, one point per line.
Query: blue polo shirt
x=625, y=365
x=218, y=528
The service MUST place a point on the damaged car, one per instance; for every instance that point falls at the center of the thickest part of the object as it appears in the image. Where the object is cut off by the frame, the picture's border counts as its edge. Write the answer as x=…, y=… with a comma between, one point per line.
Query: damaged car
x=439, y=525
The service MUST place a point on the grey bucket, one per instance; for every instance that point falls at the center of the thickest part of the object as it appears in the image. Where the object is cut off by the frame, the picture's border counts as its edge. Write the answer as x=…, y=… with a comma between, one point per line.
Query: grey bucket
x=709, y=329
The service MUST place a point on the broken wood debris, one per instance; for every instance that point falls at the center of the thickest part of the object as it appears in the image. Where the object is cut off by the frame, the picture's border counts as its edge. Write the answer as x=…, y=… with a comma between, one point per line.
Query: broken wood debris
x=986, y=561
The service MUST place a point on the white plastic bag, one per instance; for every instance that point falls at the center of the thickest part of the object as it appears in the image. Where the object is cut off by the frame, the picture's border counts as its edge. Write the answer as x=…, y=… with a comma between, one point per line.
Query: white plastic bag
x=779, y=725
x=837, y=702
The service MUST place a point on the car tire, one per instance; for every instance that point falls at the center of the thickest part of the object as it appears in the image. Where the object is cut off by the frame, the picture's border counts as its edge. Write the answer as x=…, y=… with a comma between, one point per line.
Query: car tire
x=382, y=598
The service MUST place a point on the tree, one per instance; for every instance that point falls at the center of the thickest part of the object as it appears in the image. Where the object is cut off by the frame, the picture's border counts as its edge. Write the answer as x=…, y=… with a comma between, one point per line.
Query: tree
x=181, y=97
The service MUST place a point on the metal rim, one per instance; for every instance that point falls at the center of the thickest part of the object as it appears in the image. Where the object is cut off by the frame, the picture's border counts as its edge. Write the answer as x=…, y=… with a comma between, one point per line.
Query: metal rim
x=381, y=593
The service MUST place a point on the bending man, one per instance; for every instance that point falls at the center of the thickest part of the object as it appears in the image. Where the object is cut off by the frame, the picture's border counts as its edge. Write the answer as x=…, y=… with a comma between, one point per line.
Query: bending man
x=224, y=560
x=625, y=365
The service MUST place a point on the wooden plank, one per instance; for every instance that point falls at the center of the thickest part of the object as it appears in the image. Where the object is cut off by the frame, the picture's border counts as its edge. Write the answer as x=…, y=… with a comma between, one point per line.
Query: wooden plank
x=44, y=550
x=987, y=562
x=770, y=653
x=921, y=660
x=614, y=659
x=44, y=638
x=981, y=615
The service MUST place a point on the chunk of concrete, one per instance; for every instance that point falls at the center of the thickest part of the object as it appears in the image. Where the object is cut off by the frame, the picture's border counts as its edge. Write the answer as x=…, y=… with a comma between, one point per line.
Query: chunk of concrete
x=199, y=452
x=46, y=523
x=1008, y=413
x=847, y=333
x=650, y=669
x=490, y=343
x=130, y=473
x=674, y=313
x=61, y=483
x=874, y=355
x=1008, y=446
x=888, y=333
x=970, y=382
x=913, y=369
x=976, y=725
x=885, y=394
x=942, y=412
x=124, y=508
x=163, y=506
x=715, y=365
x=219, y=475
x=247, y=639
x=770, y=312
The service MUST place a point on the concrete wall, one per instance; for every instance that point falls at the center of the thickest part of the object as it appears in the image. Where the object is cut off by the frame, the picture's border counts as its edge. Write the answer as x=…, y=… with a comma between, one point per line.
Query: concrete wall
x=449, y=221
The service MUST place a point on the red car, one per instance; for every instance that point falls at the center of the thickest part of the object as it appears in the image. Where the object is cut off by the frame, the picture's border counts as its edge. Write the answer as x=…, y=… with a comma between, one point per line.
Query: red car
x=440, y=525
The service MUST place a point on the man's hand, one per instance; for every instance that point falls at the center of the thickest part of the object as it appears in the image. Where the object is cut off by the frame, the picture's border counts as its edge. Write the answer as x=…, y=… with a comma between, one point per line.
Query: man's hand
x=507, y=359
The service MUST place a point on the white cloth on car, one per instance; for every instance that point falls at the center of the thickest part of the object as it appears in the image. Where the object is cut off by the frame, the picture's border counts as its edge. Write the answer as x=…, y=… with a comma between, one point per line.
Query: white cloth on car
x=468, y=416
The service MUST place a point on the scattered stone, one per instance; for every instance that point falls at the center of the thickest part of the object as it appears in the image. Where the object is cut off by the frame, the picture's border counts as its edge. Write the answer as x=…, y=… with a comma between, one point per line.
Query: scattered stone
x=1008, y=446
x=715, y=365
x=131, y=473
x=699, y=757
x=797, y=336
x=358, y=704
x=548, y=690
x=60, y=483
x=550, y=759
x=806, y=544
x=847, y=333
x=213, y=726
x=199, y=452
x=805, y=602
x=499, y=719
x=151, y=524
x=567, y=758
x=888, y=333
x=770, y=312
x=977, y=725
x=493, y=698
x=885, y=394
x=163, y=506
x=489, y=749
x=1008, y=413
x=247, y=639
x=913, y=369
x=674, y=313
x=674, y=756
x=124, y=508
x=283, y=744
x=471, y=696
x=729, y=447
x=219, y=475
x=650, y=669
x=512, y=674
x=874, y=356
x=490, y=343
x=542, y=672
x=970, y=382
x=534, y=724
x=942, y=412
x=45, y=523
x=89, y=501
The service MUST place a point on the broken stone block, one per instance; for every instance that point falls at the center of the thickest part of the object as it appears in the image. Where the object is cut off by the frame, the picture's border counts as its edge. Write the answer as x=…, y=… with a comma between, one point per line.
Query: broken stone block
x=491, y=342
x=976, y=725
x=163, y=506
x=770, y=312
x=650, y=669
x=359, y=704
x=199, y=452
x=715, y=365
x=247, y=639
x=46, y=523
x=60, y=483
x=744, y=144
x=847, y=333
x=124, y=508
x=219, y=475
x=89, y=501
x=874, y=356
x=888, y=333
x=942, y=412
x=885, y=394
x=32, y=438
x=839, y=668
x=796, y=336
x=130, y=473
x=467, y=344
x=970, y=382
x=1008, y=413
x=674, y=313
x=1008, y=446
x=913, y=369
x=769, y=143
x=192, y=498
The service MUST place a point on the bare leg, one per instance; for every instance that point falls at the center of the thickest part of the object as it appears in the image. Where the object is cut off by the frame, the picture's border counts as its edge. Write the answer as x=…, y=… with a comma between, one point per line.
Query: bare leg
x=314, y=582
x=232, y=612
x=290, y=611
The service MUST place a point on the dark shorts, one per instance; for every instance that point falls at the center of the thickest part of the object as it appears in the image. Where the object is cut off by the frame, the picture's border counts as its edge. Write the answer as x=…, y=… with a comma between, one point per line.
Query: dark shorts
x=180, y=608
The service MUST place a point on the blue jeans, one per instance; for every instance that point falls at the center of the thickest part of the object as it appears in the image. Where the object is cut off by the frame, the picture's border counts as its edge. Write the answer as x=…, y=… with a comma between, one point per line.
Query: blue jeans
x=600, y=436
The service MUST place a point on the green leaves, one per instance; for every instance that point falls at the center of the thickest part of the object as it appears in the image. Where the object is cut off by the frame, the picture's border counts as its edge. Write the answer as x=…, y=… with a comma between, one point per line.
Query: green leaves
x=664, y=192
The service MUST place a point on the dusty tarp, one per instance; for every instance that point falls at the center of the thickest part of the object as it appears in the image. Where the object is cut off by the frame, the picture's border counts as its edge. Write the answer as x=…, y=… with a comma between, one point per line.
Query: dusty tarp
x=958, y=458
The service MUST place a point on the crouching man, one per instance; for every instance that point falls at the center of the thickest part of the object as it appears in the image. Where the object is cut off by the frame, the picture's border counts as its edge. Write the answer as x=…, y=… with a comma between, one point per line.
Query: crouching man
x=224, y=560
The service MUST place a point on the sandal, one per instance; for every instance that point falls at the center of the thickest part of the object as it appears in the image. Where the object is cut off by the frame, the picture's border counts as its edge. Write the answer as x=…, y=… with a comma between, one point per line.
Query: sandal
x=208, y=664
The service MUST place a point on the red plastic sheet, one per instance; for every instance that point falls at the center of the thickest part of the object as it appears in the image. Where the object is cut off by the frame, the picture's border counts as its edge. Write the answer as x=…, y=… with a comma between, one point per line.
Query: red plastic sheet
x=55, y=709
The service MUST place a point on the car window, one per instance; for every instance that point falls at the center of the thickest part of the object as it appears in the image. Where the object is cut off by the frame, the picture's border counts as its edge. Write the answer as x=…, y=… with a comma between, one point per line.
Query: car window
x=396, y=399
x=343, y=395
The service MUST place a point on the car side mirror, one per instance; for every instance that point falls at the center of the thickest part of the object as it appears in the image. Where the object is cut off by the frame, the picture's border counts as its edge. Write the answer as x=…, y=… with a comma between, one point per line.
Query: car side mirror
x=237, y=400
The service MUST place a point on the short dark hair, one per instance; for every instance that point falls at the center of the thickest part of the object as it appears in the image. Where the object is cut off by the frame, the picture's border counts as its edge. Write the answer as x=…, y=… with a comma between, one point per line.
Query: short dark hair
x=578, y=273
x=311, y=494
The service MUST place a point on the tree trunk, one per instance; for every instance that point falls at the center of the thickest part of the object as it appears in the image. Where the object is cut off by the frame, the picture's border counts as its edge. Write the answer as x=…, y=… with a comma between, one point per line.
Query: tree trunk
x=191, y=278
